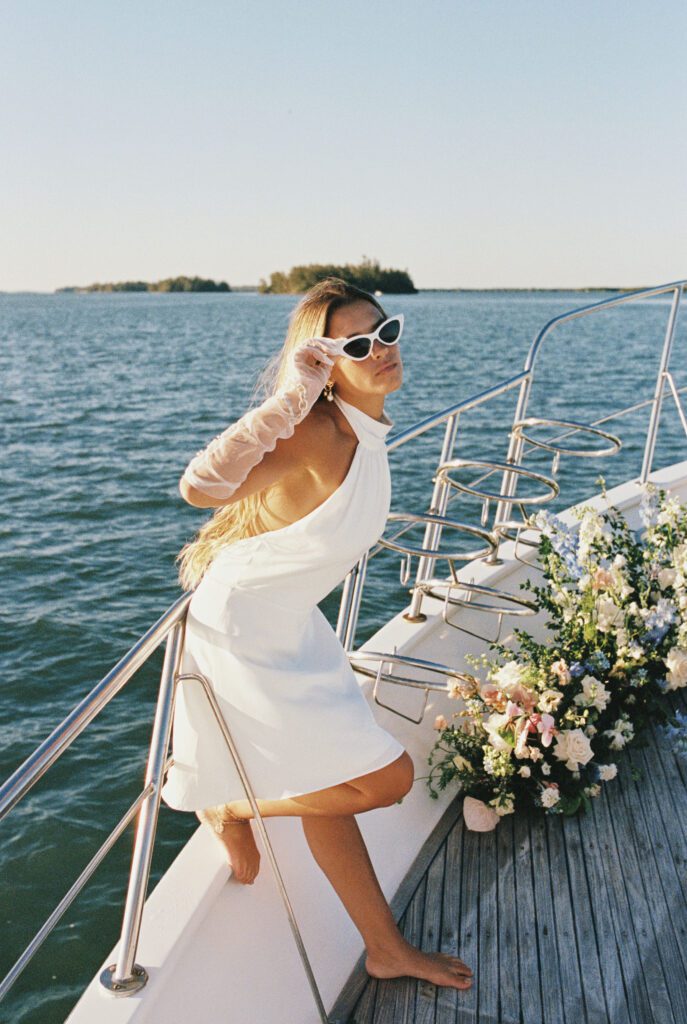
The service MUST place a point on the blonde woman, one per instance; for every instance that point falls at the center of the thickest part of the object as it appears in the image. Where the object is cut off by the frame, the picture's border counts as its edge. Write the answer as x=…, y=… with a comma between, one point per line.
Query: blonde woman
x=300, y=486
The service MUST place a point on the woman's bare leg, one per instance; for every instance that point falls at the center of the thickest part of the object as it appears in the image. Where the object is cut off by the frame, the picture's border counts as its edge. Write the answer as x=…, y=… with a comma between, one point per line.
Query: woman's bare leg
x=375, y=789
x=355, y=882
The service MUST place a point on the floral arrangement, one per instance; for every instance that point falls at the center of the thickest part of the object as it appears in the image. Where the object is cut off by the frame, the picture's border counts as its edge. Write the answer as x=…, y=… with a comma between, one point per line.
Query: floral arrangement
x=545, y=727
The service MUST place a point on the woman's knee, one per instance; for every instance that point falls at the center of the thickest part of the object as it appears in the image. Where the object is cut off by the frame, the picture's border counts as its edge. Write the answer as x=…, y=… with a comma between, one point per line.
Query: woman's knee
x=389, y=784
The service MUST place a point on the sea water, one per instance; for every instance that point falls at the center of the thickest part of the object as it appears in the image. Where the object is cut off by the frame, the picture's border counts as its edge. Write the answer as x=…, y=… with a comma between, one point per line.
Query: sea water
x=105, y=399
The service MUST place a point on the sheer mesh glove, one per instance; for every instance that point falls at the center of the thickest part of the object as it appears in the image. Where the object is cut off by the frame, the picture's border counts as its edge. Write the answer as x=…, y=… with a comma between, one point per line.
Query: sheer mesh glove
x=222, y=467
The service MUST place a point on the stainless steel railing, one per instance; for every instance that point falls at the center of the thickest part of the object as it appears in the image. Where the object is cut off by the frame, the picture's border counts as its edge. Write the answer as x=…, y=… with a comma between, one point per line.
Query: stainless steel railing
x=126, y=975
x=353, y=584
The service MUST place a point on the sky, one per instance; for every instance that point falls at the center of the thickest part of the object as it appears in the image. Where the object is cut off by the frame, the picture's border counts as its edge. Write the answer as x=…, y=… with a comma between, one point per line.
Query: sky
x=474, y=144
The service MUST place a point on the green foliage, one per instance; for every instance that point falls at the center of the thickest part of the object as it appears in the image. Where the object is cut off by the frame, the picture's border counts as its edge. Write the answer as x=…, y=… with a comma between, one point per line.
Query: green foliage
x=169, y=284
x=367, y=275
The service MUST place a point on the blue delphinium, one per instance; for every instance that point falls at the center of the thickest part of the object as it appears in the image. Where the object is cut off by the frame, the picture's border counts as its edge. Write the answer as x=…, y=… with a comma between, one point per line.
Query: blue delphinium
x=677, y=734
x=598, y=662
x=655, y=635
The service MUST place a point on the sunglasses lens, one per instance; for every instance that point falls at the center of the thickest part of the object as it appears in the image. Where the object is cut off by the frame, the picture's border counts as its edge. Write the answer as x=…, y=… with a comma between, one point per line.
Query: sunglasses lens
x=390, y=332
x=357, y=348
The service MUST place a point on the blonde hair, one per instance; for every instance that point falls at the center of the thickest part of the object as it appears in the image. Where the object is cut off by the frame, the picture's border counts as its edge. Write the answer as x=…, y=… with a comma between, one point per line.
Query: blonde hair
x=242, y=518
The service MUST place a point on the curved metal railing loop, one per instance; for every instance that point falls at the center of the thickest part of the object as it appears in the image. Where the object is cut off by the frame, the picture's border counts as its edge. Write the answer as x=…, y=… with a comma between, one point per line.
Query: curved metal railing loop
x=517, y=443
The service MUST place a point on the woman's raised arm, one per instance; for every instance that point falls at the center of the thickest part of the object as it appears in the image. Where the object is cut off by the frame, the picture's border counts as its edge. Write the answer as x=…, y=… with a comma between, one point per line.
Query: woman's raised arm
x=218, y=471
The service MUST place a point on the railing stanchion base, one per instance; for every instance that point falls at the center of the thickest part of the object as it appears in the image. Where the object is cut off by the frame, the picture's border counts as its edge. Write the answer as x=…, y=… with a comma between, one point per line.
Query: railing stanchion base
x=139, y=977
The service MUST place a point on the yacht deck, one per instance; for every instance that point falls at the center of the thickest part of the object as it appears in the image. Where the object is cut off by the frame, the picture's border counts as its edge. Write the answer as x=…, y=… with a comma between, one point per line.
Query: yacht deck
x=577, y=920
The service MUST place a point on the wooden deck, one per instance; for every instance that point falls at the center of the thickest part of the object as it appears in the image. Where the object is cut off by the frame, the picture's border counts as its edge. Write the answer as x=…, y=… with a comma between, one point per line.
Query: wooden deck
x=564, y=921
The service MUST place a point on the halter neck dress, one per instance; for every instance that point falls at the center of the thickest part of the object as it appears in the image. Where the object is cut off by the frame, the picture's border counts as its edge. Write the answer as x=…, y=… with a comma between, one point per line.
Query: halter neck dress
x=282, y=679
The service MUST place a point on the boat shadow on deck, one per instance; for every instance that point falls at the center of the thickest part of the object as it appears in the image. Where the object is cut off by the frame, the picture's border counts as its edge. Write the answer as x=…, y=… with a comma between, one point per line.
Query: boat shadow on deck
x=562, y=920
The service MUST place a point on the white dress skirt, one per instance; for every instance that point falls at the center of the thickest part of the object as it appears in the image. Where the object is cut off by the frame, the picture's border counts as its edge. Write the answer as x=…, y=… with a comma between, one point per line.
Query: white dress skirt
x=282, y=679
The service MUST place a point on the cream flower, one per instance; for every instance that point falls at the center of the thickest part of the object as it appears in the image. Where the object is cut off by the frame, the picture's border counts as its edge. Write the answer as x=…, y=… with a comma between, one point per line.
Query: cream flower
x=440, y=723
x=508, y=676
x=503, y=806
x=607, y=772
x=525, y=771
x=607, y=614
x=462, y=763
x=550, y=796
x=492, y=726
x=573, y=747
x=676, y=663
x=594, y=693
x=666, y=577
x=549, y=700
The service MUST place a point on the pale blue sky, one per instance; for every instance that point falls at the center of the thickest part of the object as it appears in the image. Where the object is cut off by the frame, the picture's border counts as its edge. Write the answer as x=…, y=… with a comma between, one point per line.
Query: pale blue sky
x=474, y=143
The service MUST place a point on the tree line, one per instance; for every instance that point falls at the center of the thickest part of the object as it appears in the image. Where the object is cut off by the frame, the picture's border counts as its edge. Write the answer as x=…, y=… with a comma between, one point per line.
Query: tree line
x=367, y=275
x=169, y=284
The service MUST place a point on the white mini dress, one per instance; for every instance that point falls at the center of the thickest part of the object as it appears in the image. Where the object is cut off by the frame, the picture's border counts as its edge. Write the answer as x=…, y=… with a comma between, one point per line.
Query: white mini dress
x=284, y=683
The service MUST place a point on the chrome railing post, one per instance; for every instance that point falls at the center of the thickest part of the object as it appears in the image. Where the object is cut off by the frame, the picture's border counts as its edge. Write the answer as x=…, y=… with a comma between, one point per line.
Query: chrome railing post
x=425, y=566
x=358, y=582
x=125, y=977
x=259, y=821
x=659, y=390
x=514, y=456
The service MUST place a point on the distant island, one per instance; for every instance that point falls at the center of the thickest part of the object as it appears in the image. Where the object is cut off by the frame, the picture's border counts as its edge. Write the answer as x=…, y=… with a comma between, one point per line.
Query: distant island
x=169, y=284
x=367, y=275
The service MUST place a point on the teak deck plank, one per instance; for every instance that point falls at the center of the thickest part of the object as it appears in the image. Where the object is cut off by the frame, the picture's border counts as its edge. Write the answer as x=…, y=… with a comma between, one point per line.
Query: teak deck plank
x=577, y=920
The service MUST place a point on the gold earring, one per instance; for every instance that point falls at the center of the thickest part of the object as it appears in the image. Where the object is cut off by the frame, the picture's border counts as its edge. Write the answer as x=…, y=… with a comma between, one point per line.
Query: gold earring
x=328, y=391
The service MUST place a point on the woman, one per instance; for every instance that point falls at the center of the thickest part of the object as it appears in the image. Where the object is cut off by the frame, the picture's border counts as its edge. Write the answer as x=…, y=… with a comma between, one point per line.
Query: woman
x=301, y=489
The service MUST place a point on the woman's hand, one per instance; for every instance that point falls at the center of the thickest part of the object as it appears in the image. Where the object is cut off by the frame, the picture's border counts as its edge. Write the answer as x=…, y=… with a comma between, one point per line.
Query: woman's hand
x=219, y=470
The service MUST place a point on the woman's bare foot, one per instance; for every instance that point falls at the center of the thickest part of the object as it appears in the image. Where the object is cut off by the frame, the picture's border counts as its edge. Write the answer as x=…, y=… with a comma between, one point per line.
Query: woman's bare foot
x=239, y=842
x=438, y=968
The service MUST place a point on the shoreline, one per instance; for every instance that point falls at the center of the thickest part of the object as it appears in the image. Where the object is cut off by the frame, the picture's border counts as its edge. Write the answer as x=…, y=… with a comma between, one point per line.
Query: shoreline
x=253, y=289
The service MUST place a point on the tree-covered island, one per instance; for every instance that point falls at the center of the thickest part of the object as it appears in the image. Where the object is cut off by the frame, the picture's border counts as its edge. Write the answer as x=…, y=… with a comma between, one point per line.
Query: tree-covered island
x=169, y=284
x=367, y=275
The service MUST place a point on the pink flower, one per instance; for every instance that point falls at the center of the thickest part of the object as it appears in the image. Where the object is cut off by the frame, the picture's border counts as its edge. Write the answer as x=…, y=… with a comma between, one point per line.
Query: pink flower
x=492, y=696
x=513, y=710
x=602, y=580
x=561, y=671
x=546, y=726
x=522, y=732
x=440, y=723
x=526, y=698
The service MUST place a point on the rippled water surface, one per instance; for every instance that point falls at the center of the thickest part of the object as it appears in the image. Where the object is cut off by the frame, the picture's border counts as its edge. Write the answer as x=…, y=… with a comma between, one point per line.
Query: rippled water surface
x=105, y=398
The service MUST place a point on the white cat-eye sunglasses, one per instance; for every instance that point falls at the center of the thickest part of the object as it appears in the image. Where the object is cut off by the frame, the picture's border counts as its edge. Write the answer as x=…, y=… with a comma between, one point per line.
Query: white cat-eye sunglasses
x=360, y=346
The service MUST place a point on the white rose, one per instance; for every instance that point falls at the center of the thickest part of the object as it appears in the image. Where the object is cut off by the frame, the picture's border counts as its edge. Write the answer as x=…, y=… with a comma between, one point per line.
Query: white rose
x=525, y=771
x=607, y=772
x=573, y=747
x=550, y=796
x=676, y=663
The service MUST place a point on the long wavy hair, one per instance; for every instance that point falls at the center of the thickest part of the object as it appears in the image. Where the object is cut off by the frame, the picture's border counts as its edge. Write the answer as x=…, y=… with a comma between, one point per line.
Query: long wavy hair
x=243, y=518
